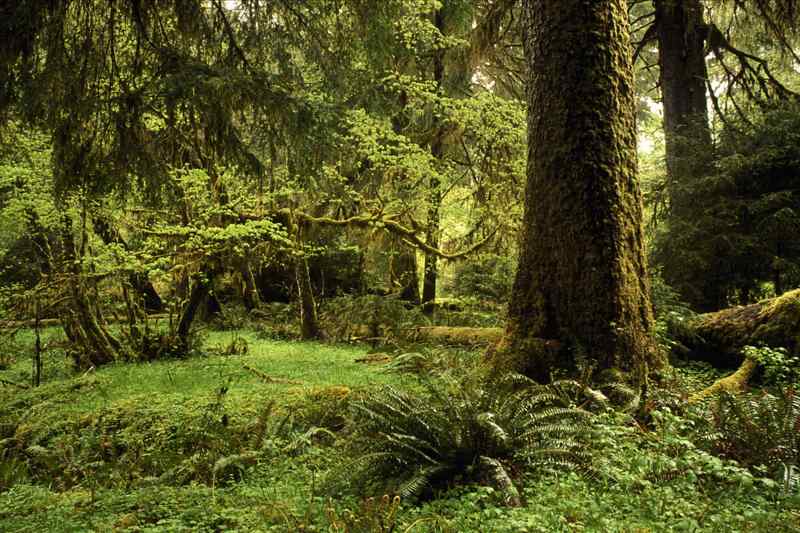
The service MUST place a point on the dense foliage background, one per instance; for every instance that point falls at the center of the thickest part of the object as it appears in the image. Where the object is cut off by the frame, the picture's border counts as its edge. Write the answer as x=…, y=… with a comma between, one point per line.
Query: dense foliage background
x=255, y=256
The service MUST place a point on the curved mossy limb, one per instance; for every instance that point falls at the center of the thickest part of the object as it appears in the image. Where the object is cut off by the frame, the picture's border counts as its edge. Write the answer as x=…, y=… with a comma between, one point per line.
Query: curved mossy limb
x=733, y=383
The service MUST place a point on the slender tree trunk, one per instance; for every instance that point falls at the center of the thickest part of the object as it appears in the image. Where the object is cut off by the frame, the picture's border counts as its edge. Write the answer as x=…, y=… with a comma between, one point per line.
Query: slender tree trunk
x=581, y=286
x=404, y=270
x=777, y=274
x=212, y=307
x=681, y=42
x=682, y=33
x=309, y=324
x=251, y=297
x=37, y=347
x=431, y=269
x=435, y=195
x=198, y=295
x=777, y=281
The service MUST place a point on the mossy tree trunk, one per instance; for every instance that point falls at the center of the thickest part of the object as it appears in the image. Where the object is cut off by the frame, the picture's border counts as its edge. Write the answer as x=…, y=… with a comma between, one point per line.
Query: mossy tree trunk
x=199, y=287
x=251, y=296
x=309, y=322
x=452, y=73
x=82, y=321
x=581, y=282
x=404, y=272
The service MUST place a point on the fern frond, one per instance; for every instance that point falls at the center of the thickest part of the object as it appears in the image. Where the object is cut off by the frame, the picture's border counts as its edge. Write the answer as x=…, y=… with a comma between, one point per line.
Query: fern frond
x=412, y=445
x=419, y=481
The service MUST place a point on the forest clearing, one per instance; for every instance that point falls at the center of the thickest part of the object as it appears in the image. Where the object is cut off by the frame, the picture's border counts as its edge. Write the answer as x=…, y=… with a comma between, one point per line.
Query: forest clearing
x=400, y=266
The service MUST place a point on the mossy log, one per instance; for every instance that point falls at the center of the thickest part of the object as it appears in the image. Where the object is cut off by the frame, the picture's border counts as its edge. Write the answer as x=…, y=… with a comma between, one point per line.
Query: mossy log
x=718, y=337
x=459, y=335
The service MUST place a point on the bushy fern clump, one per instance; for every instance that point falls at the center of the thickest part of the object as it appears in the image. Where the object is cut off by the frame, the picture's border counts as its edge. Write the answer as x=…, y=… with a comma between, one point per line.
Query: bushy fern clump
x=460, y=430
x=760, y=430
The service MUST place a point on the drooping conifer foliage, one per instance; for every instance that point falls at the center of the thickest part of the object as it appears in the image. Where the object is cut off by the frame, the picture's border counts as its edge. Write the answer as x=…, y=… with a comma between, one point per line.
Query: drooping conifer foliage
x=265, y=124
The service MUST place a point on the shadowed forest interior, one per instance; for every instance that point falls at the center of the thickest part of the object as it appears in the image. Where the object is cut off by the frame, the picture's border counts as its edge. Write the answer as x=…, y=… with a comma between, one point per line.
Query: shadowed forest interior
x=400, y=265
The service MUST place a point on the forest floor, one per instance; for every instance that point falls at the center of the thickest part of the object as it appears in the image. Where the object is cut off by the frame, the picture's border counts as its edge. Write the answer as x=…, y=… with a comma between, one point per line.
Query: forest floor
x=164, y=446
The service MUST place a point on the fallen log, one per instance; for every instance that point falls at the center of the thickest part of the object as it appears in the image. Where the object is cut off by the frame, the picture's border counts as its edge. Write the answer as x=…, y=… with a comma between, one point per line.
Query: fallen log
x=719, y=337
x=55, y=322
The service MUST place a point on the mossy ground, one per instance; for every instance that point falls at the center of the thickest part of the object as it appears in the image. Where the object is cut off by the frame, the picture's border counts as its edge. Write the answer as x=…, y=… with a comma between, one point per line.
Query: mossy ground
x=155, y=431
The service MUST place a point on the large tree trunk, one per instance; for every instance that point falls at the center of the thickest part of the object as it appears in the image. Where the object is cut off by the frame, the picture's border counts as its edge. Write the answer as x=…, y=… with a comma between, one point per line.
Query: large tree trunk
x=581, y=281
x=681, y=42
x=720, y=336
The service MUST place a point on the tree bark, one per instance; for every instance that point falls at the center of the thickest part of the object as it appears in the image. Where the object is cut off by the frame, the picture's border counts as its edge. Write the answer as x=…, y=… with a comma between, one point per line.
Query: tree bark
x=96, y=346
x=719, y=337
x=404, y=273
x=198, y=295
x=431, y=268
x=682, y=32
x=251, y=296
x=581, y=286
x=681, y=42
x=309, y=323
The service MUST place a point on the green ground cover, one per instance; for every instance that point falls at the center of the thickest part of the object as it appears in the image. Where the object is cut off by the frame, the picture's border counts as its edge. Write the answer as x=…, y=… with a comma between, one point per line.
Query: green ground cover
x=210, y=444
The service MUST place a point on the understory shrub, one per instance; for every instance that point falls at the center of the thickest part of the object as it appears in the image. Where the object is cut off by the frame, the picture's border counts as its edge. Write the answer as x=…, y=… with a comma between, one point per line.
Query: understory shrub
x=777, y=366
x=277, y=321
x=378, y=318
x=488, y=277
x=672, y=315
x=459, y=429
